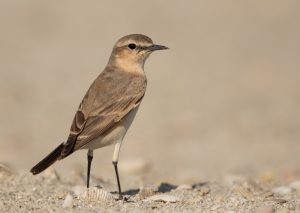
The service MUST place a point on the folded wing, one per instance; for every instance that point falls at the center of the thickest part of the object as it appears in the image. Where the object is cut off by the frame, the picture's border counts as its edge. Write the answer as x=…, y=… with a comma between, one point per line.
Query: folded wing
x=110, y=98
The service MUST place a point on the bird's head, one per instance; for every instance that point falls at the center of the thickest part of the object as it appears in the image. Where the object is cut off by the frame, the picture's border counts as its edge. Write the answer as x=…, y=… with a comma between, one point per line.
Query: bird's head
x=131, y=51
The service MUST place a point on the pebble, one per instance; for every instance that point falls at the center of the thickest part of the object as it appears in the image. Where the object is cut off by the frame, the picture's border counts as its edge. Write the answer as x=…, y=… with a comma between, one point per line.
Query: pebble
x=283, y=210
x=5, y=170
x=295, y=185
x=78, y=189
x=282, y=190
x=184, y=187
x=147, y=191
x=246, y=193
x=265, y=209
x=267, y=194
x=204, y=190
x=68, y=202
x=164, y=198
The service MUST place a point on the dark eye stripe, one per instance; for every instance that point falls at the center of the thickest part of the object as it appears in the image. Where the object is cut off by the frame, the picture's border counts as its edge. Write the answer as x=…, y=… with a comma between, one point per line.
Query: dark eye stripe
x=143, y=47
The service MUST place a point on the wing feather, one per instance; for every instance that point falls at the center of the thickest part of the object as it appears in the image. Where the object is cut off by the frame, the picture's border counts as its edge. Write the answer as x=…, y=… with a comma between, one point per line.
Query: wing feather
x=109, y=99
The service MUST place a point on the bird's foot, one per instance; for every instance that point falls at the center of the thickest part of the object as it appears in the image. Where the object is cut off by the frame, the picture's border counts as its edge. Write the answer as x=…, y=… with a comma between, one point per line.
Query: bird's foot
x=122, y=198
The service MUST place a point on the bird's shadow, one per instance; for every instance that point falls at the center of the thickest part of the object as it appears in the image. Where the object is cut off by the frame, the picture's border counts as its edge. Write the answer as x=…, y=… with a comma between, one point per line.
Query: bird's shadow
x=162, y=188
x=130, y=192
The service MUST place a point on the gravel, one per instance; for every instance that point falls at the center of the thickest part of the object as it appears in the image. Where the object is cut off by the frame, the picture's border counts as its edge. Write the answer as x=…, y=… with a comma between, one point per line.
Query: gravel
x=22, y=192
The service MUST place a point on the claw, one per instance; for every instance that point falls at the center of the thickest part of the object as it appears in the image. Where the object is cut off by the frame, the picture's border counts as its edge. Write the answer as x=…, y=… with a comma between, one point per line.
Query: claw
x=122, y=198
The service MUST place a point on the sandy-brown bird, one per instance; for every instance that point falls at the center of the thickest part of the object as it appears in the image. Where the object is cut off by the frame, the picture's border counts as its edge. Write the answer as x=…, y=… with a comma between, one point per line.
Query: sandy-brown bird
x=110, y=104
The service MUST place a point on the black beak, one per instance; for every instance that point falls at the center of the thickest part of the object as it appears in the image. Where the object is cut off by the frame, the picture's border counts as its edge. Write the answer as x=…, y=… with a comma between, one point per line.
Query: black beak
x=155, y=47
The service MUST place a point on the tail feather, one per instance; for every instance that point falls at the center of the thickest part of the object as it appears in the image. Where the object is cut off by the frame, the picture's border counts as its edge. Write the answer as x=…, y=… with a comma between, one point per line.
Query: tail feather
x=48, y=160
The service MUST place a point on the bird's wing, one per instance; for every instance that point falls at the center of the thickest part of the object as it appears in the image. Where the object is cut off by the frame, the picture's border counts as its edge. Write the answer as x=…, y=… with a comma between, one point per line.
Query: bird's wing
x=110, y=98
x=99, y=124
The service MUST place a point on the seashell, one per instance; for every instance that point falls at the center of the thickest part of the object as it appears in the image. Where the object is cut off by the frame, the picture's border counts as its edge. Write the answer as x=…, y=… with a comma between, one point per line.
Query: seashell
x=164, y=198
x=97, y=194
x=68, y=202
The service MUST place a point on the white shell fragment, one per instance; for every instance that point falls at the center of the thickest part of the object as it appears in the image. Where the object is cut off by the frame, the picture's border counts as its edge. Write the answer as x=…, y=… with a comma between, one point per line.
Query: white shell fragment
x=78, y=189
x=295, y=185
x=184, y=187
x=97, y=194
x=282, y=190
x=164, y=198
x=68, y=202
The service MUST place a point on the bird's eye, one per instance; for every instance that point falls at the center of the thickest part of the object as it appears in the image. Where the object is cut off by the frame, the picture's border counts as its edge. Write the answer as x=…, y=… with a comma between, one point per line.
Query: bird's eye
x=131, y=46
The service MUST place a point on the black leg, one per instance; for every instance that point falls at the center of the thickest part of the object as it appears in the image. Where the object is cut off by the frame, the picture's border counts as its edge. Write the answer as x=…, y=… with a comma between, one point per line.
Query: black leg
x=90, y=158
x=118, y=179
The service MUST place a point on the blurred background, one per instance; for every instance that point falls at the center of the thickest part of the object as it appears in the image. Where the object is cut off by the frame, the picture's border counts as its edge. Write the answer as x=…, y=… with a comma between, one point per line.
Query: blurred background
x=224, y=98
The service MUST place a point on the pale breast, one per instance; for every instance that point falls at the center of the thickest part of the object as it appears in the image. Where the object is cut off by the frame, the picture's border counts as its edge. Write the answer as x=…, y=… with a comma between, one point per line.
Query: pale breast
x=116, y=133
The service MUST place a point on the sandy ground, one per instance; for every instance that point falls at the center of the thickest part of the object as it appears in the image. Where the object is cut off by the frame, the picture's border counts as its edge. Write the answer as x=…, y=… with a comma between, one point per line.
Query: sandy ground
x=20, y=192
x=221, y=107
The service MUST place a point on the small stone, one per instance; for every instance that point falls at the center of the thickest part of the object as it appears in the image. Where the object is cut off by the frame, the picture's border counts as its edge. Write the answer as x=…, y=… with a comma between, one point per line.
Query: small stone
x=282, y=190
x=204, y=191
x=184, y=187
x=246, y=193
x=5, y=170
x=295, y=185
x=267, y=194
x=147, y=191
x=164, y=198
x=60, y=195
x=68, y=202
x=215, y=208
x=265, y=209
x=279, y=200
x=78, y=189
x=283, y=210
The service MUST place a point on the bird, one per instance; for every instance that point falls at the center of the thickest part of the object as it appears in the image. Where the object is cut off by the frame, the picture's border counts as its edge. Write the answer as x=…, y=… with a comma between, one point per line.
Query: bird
x=109, y=105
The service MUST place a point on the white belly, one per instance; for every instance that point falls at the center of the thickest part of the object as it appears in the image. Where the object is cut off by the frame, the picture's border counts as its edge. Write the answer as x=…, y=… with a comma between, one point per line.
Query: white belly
x=115, y=134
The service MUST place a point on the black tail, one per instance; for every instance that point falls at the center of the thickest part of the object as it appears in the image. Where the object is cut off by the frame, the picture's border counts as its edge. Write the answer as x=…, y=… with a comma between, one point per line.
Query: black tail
x=48, y=160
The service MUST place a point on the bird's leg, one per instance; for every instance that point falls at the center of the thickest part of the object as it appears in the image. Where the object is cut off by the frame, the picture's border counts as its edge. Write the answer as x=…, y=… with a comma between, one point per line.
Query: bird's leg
x=89, y=158
x=115, y=163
